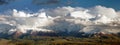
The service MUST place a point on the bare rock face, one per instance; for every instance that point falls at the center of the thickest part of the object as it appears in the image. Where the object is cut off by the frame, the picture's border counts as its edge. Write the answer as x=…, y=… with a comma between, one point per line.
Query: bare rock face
x=99, y=34
x=17, y=34
x=104, y=35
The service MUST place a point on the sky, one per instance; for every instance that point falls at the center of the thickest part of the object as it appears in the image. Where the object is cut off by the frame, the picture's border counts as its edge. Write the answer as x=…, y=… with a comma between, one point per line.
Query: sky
x=25, y=4
x=90, y=3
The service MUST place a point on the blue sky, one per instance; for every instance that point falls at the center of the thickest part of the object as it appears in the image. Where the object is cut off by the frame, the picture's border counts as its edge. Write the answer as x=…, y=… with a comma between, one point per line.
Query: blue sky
x=91, y=3
x=25, y=4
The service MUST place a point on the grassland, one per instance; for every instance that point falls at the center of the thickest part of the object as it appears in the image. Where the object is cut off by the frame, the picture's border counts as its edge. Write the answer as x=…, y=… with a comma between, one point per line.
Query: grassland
x=47, y=40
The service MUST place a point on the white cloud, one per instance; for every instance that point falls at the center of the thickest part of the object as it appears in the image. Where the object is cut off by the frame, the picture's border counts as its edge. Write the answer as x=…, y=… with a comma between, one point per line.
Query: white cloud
x=64, y=18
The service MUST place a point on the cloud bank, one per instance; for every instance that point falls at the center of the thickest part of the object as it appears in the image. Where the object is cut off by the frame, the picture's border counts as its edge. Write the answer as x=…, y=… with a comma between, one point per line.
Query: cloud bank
x=94, y=19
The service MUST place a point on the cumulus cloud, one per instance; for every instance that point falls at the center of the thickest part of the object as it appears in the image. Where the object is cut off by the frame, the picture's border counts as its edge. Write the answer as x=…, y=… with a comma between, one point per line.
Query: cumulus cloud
x=94, y=19
x=101, y=10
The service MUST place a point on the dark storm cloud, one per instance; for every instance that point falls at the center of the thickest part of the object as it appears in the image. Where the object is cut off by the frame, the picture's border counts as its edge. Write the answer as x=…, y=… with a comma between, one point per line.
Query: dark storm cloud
x=46, y=2
x=5, y=1
x=2, y=2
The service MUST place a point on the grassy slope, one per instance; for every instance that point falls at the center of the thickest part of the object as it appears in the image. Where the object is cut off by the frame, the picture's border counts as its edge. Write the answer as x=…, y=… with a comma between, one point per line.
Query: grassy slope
x=46, y=40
